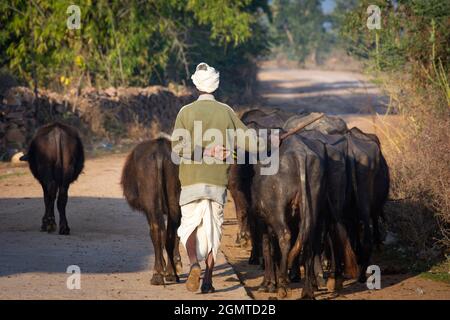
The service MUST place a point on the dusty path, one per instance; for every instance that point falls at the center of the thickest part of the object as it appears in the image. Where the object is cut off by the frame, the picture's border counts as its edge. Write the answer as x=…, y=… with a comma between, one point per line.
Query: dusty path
x=332, y=92
x=109, y=242
x=347, y=94
x=350, y=96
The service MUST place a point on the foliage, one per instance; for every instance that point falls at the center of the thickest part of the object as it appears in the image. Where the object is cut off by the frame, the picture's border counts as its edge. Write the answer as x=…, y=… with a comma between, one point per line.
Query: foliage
x=127, y=42
x=410, y=57
x=413, y=35
x=298, y=28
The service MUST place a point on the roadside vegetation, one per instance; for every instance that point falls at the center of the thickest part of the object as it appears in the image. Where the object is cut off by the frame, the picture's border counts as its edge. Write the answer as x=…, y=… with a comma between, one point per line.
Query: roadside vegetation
x=409, y=58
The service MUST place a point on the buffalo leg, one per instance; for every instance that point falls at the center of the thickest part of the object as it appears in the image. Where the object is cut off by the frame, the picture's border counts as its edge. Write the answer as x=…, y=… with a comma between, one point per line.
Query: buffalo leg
x=174, y=217
x=48, y=221
x=177, y=256
x=255, y=228
x=243, y=235
x=61, y=204
x=171, y=241
x=308, y=289
x=376, y=232
x=294, y=272
x=158, y=270
x=284, y=242
x=268, y=283
x=366, y=250
x=364, y=199
x=335, y=279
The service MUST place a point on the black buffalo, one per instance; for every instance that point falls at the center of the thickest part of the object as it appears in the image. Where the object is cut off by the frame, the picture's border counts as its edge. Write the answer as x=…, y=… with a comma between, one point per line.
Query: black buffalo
x=56, y=159
x=356, y=184
x=366, y=182
x=370, y=187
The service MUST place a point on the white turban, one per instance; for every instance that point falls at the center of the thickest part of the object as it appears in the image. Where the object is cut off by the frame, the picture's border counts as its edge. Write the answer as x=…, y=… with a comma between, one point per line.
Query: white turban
x=206, y=78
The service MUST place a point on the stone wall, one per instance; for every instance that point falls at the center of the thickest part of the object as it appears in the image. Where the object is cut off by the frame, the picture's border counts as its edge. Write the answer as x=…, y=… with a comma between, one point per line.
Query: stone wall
x=111, y=116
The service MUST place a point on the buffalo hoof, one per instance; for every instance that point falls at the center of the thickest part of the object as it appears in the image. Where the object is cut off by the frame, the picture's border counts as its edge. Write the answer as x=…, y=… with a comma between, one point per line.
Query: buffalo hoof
x=282, y=292
x=243, y=239
x=294, y=277
x=48, y=225
x=307, y=296
x=339, y=283
x=267, y=287
x=362, y=277
x=157, y=279
x=240, y=240
x=271, y=288
x=263, y=286
x=320, y=281
x=64, y=230
x=179, y=266
x=254, y=261
x=172, y=278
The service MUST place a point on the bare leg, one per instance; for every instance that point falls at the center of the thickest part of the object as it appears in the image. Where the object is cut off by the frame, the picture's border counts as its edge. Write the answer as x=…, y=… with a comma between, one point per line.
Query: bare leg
x=191, y=247
x=193, y=281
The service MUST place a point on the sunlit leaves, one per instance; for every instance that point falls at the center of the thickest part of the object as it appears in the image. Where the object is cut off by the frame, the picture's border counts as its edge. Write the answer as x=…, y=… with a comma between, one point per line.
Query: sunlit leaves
x=127, y=42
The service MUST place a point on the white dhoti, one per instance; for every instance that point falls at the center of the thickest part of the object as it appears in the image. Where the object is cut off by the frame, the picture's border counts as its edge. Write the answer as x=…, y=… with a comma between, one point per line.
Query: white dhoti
x=207, y=216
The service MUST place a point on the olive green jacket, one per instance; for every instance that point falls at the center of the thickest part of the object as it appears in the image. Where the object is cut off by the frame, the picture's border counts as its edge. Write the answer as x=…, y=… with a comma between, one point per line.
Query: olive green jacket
x=208, y=114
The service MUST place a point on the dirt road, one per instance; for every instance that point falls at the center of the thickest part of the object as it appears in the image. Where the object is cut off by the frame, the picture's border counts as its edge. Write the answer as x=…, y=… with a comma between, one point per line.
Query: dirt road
x=347, y=94
x=109, y=242
x=111, y=245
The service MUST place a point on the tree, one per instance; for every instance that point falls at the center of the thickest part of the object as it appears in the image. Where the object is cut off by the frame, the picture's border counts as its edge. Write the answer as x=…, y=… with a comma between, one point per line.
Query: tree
x=299, y=27
x=129, y=42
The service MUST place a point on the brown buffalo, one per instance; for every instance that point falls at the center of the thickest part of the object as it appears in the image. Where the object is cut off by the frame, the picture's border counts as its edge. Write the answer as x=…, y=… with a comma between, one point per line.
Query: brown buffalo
x=150, y=185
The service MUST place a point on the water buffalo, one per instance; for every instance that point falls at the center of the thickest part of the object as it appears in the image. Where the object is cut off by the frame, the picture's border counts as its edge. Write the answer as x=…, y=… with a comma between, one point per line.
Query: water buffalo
x=366, y=181
x=357, y=183
x=241, y=175
x=370, y=184
x=289, y=203
x=150, y=184
x=56, y=159
x=284, y=210
x=339, y=197
x=239, y=181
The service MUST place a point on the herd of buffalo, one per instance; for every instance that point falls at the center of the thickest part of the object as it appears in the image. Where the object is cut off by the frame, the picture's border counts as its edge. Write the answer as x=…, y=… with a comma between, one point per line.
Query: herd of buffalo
x=323, y=205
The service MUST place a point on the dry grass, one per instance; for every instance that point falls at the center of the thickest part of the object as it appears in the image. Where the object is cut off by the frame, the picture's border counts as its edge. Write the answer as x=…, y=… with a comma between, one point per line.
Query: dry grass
x=417, y=151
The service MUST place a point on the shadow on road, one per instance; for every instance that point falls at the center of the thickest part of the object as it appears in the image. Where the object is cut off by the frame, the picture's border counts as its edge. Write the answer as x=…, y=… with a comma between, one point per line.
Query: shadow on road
x=106, y=237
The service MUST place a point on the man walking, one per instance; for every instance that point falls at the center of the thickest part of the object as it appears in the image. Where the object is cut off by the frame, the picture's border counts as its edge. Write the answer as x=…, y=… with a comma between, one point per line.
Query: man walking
x=203, y=172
